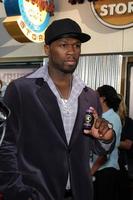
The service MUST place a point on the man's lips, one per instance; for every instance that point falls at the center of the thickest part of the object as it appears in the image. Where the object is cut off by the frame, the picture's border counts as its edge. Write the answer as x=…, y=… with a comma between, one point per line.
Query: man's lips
x=70, y=62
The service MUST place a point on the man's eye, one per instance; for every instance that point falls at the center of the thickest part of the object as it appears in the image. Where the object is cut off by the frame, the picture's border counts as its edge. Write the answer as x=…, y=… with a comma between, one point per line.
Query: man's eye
x=77, y=45
x=63, y=45
x=66, y=46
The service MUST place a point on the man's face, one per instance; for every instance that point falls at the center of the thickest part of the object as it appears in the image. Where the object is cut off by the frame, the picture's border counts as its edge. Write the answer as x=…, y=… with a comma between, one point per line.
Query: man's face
x=64, y=54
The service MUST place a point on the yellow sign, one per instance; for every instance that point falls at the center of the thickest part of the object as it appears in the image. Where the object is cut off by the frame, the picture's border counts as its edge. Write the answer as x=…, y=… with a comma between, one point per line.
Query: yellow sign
x=27, y=19
x=114, y=13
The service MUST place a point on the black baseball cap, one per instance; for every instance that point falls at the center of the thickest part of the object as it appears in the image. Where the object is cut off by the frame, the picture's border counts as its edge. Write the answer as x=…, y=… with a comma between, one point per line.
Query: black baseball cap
x=62, y=28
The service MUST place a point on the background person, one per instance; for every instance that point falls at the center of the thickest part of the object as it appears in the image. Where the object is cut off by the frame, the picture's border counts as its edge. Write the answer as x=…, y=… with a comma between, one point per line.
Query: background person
x=45, y=153
x=2, y=124
x=105, y=169
x=125, y=152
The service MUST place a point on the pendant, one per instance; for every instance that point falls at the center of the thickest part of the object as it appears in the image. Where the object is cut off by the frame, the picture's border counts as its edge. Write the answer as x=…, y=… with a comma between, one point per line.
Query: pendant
x=66, y=108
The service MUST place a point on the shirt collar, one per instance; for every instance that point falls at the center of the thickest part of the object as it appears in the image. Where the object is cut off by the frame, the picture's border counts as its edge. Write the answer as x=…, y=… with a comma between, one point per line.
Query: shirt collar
x=42, y=72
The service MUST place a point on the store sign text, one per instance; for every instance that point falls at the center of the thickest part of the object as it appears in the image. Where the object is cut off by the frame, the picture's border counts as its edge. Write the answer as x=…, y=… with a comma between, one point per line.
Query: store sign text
x=29, y=18
x=114, y=13
x=119, y=9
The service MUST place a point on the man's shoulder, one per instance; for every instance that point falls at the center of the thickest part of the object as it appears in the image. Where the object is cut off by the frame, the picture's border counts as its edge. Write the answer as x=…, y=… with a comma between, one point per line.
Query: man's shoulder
x=22, y=82
x=89, y=91
x=90, y=95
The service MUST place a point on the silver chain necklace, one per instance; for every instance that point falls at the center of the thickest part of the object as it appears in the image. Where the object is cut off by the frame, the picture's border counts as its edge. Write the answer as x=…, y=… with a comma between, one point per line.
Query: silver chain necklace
x=64, y=102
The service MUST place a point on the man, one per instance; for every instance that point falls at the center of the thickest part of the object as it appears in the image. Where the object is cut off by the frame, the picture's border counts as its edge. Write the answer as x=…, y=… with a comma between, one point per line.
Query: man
x=45, y=153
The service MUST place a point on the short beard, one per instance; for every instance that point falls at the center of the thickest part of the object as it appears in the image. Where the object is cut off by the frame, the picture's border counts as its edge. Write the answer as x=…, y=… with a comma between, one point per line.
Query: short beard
x=71, y=71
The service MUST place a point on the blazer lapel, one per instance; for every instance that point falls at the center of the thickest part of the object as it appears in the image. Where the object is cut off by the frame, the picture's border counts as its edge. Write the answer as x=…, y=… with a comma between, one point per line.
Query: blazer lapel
x=82, y=105
x=48, y=100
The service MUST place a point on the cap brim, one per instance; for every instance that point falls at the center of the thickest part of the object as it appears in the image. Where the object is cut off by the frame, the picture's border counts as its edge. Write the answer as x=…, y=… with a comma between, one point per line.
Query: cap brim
x=83, y=37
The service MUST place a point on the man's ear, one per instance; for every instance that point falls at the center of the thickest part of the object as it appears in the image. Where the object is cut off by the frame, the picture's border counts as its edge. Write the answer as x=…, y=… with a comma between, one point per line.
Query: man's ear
x=102, y=99
x=46, y=49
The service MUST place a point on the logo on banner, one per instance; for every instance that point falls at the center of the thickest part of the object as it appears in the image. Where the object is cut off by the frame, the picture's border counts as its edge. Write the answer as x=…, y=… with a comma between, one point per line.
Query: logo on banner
x=27, y=19
x=114, y=13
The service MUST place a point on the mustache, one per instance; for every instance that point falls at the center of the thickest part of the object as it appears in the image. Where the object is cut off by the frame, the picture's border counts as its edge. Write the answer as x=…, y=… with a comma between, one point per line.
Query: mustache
x=71, y=58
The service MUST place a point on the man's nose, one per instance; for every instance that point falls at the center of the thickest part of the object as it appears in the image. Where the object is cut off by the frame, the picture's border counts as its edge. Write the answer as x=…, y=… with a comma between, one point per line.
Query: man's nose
x=71, y=48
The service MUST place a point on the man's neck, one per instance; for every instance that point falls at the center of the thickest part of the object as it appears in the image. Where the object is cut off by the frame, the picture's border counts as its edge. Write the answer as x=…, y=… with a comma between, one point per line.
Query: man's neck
x=64, y=87
x=63, y=82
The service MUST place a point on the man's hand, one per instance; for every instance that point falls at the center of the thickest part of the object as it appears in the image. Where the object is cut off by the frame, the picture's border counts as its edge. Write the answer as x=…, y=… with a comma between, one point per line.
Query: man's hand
x=101, y=128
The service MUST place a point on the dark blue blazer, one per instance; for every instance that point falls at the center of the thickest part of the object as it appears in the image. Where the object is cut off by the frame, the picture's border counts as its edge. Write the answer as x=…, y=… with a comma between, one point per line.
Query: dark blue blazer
x=35, y=158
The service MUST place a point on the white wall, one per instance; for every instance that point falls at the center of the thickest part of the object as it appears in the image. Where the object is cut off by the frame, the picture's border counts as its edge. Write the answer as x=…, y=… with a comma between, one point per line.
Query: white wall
x=104, y=39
